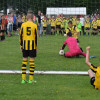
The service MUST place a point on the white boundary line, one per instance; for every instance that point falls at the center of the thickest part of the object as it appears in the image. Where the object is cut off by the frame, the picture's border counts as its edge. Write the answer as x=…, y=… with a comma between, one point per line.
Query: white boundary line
x=46, y=72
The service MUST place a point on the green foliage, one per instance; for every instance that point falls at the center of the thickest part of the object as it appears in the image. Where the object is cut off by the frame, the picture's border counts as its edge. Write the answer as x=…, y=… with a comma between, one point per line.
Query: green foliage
x=35, y=5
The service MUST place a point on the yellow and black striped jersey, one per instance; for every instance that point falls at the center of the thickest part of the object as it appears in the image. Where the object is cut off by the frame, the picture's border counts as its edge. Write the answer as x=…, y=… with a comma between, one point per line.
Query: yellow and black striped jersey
x=87, y=24
x=53, y=22
x=96, y=70
x=98, y=22
x=29, y=36
x=94, y=24
x=58, y=21
x=74, y=30
x=62, y=24
x=74, y=21
x=44, y=23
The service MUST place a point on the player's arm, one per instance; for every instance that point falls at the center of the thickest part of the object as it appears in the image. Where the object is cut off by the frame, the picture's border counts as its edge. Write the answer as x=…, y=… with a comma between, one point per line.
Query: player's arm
x=21, y=38
x=64, y=45
x=36, y=37
x=87, y=56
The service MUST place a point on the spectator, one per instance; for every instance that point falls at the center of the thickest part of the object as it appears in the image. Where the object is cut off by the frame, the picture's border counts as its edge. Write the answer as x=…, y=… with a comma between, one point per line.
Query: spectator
x=14, y=24
x=19, y=22
x=39, y=22
x=82, y=20
x=10, y=24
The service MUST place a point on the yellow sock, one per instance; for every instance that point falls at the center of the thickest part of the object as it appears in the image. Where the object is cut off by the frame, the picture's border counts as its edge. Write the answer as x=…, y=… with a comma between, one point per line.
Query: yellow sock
x=32, y=68
x=24, y=63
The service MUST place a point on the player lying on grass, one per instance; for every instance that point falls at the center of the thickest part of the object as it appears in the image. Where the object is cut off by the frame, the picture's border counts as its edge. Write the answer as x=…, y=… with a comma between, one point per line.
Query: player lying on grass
x=74, y=49
x=28, y=45
x=94, y=72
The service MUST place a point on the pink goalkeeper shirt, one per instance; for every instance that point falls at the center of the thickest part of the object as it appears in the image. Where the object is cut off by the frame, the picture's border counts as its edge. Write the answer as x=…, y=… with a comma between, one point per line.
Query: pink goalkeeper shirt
x=72, y=44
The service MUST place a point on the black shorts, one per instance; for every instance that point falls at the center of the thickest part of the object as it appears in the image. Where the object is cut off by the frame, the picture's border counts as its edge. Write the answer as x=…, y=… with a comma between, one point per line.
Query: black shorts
x=44, y=28
x=98, y=27
x=53, y=27
x=19, y=24
x=58, y=26
x=94, y=29
x=92, y=80
x=78, y=41
x=29, y=53
x=87, y=28
x=3, y=31
x=62, y=28
x=15, y=27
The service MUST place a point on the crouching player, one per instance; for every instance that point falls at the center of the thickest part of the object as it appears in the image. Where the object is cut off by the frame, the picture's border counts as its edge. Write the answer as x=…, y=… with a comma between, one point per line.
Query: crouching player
x=28, y=45
x=94, y=72
x=74, y=49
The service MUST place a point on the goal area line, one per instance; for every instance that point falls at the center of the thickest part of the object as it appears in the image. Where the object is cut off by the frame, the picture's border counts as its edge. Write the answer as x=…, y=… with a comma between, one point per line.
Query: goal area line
x=46, y=72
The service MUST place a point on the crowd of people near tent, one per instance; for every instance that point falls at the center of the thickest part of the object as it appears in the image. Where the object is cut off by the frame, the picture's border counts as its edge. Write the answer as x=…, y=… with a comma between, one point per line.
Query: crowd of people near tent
x=54, y=25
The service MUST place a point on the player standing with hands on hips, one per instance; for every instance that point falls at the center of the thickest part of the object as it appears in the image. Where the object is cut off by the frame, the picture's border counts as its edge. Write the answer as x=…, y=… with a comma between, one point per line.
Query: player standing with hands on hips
x=28, y=45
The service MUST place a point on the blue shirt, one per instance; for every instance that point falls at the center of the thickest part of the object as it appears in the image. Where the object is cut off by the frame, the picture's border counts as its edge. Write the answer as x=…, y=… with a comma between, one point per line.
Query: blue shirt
x=15, y=20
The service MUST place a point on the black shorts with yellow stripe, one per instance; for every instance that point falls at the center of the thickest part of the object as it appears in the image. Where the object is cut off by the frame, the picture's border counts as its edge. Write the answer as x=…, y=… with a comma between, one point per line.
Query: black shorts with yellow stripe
x=29, y=53
x=92, y=80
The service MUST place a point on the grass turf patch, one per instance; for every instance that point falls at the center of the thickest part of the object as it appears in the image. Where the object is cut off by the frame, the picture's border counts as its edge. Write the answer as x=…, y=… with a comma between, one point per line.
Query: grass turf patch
x=51, y=87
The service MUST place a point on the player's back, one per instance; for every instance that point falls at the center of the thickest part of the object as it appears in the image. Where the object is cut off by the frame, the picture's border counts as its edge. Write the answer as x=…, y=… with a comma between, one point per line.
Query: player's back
x=29, y=35
x=72, y=44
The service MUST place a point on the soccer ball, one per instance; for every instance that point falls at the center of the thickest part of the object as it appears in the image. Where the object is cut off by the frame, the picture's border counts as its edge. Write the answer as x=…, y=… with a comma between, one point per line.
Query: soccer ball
x=61, y=52
x=65, y=35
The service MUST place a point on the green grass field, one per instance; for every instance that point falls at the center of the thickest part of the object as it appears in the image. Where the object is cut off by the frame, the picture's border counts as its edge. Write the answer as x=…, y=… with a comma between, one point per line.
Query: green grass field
x=48, y=87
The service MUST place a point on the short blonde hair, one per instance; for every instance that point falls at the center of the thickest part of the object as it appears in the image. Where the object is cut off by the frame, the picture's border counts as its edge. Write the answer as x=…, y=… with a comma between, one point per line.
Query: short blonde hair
x=30, y=15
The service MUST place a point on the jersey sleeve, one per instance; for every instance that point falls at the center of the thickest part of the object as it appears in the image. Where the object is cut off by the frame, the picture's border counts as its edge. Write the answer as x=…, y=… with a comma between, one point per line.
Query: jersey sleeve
x=65, y=42
x=93, y=68
x=21, y=36
x=77, y=30
x=67, y=31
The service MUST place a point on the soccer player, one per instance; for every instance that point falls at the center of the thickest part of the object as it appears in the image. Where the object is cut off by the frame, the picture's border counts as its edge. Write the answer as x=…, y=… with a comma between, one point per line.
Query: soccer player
x=94, y=27
x=62, y=26
x=44, y=25
x=53, y=24
x=58, y=23
x=74, y=49
x=73, y=29
x=74, y=20
x=94, y=72
x=79, y=26
x=87, y=26
x=28, y=45
x=3, y=27
x=66, y=23
x=98, y=24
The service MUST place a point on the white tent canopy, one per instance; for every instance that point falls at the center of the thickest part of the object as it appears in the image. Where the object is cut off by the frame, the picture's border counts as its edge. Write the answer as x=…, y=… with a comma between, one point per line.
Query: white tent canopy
x=66, y=11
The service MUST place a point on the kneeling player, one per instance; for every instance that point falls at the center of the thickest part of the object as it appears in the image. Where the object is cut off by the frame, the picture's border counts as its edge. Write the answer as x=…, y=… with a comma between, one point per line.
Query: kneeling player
x=28, y=45
x=94, y=72
x=74, y=49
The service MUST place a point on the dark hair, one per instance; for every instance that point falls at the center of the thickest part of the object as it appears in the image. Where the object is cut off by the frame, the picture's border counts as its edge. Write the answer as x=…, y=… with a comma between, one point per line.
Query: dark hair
x=70, y=22
x=69, y=34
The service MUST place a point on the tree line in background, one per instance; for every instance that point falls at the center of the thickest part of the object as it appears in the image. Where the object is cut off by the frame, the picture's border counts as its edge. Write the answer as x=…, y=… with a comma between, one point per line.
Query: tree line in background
x=93, y=6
